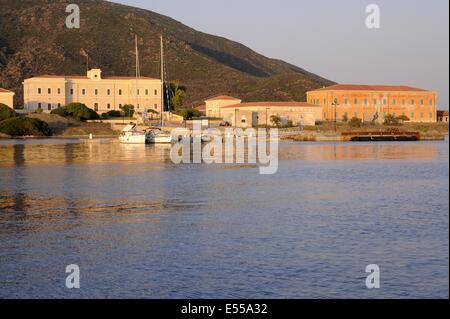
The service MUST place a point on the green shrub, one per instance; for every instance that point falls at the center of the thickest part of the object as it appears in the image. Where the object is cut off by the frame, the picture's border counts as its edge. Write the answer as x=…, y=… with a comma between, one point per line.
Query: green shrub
x=355, y=122
x=189, y=114
x=128, y=110
x=111, y=114
x=78, y=111
x=6, y=112
x=24, y=126
x=390, y=119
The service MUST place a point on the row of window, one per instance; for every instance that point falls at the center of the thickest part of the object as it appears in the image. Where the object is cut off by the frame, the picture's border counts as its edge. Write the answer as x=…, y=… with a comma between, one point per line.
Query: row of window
x=356, y=101
x=412, y=115
x=50, y=106
x=96, y=91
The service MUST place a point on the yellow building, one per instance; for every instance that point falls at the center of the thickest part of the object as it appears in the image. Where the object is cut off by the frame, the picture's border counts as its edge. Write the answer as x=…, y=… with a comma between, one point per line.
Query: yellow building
x=373, y=102
x=260, y=113
x=100, y=94
x=7, y=98
x=215, y=104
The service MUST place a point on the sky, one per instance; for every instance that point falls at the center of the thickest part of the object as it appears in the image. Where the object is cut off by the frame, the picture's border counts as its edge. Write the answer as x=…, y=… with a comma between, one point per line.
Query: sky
x=330, y=37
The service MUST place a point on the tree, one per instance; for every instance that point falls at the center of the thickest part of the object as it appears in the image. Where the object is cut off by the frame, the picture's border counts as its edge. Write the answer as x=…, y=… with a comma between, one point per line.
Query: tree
x=24, y=126
x=128, y=110
x=276, y=120
x=345, y=118
x=190, y=113
x=6, y=112
x=403, y=118
x=355, y=122
x=77, y=111
x=177, y=94
x=390, y=119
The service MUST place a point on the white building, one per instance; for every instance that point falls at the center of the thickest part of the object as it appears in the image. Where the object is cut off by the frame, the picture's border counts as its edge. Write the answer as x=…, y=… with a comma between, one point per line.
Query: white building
x=49, y=92
x=7, y=97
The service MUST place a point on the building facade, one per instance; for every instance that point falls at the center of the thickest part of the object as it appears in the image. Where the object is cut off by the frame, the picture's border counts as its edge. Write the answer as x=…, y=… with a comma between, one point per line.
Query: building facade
x=7, y=98
x=98, y=93
x=442, y=116
x=256, y=114
x=214, y=105
x=373, y=102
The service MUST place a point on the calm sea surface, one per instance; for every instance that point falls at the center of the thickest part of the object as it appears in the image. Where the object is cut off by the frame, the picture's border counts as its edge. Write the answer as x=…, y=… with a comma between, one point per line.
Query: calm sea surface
x=141, y=227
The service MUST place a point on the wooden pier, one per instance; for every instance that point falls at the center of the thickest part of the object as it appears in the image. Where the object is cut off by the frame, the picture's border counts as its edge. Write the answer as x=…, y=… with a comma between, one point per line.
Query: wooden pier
x=380, y=136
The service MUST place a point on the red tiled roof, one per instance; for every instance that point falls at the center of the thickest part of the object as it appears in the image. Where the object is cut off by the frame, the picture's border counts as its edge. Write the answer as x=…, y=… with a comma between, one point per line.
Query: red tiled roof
x=271, y=104
x=360, y=87
x=5, y=91
x=442, y=113
x=222, y=97
x=201, y=107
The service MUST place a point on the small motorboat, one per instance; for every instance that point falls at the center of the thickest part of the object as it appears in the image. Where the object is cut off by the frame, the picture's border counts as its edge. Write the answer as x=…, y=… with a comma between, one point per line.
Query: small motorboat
x=158, y=136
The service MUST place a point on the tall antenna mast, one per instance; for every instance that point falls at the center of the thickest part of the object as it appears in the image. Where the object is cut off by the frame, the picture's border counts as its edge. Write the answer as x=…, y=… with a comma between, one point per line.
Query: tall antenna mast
x=137, y=71
x=162, y=81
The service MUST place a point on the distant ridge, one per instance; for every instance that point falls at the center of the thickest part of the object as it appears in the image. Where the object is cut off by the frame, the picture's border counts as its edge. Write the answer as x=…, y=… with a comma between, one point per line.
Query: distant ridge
x=34, y=41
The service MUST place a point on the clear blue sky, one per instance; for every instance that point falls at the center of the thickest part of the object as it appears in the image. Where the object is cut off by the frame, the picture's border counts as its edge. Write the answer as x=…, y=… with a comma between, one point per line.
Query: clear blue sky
x=329, y=37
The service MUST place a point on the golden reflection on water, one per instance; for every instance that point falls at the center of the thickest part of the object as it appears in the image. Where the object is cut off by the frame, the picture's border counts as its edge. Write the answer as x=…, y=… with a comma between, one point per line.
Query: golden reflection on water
x=111, y=152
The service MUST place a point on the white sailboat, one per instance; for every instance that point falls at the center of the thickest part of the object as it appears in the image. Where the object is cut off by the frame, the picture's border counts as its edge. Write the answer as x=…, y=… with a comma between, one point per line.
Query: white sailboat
x=157, y=135
x=131, y=133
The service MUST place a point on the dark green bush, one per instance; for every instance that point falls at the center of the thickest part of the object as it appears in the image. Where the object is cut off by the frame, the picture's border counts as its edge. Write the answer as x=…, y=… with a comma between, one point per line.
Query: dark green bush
x=6, y=112
x=78, y=111
x=24, y=126
x=355, y=122
x=189, y=114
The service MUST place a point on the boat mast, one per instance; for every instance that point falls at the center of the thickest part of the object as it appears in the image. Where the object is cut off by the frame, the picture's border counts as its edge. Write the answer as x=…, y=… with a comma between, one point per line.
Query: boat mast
x=137, y=71
x=162, y=81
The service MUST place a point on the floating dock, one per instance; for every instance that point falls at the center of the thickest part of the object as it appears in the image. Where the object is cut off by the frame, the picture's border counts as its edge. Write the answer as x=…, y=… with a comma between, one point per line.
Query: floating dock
x=377, y=136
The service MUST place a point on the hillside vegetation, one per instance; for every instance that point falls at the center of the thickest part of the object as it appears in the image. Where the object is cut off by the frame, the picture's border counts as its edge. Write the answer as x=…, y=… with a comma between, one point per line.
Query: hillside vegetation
x=35, y=41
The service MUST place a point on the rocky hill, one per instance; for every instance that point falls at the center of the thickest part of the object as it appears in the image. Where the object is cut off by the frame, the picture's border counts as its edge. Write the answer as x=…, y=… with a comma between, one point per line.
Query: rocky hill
x=35, y=41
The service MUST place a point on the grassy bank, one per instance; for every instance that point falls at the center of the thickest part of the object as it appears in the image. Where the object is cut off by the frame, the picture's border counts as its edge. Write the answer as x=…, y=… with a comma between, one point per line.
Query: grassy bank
x=327, y=132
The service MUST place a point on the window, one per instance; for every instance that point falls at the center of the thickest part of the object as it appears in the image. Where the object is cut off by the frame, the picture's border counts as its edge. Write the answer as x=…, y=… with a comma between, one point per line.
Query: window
x=421, y=102
x=71, y=91
x=39, y=91
x=156, y=106
x=404, y=102
x=156, y=92
x=83, y=91
x=108, y=106
x=39, y=105
x=384, y=101
x=108, y=92
x=421, y=115
x=431, y=115
x=59, y=91
x=346, y=101
x=412, y=115
x=120, y=92
x=138, y=91
x=355, y=101
x=49, y=91
x=365, y=101
x=59, y=105
x=325, y=115
x=146, y=92
x=96, y=92
x=394, y=101
x=375, y=101
x=49, y=107
x=120, y=105
x=431, y=102
x=96, y=107
x=412, y=102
